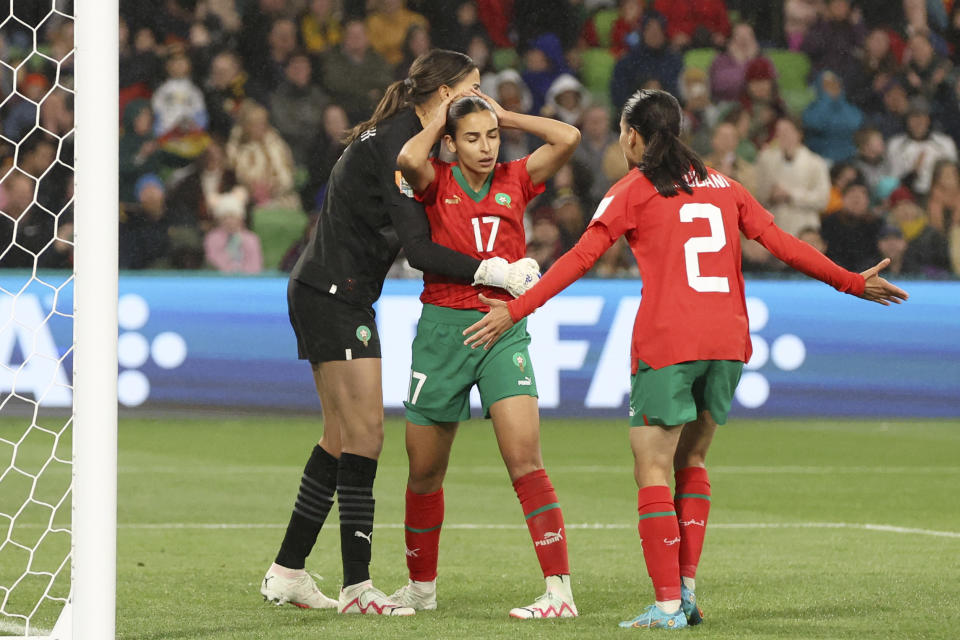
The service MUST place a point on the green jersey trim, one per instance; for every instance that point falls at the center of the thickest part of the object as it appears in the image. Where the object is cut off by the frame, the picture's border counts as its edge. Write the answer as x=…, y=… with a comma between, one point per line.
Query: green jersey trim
x=476, y=196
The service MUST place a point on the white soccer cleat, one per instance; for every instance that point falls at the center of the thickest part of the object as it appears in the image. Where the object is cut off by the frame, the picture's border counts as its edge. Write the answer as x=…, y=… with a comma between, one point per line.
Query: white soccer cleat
x=364, y=598
x=421, y=596
x=300, y=591
x=549, y=605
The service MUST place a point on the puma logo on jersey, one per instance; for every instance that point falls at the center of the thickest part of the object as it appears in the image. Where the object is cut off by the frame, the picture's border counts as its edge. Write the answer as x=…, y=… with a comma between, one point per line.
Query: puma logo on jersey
x=361, y=534
x=454, y=199
x=550, y=537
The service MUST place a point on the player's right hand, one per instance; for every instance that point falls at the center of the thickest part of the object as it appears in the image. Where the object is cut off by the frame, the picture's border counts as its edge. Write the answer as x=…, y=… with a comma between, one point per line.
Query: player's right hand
x=876, y=289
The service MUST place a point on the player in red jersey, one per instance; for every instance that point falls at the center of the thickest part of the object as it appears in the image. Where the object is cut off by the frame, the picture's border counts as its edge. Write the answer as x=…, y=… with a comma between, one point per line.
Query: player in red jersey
x=476, y=206
x=691, y=337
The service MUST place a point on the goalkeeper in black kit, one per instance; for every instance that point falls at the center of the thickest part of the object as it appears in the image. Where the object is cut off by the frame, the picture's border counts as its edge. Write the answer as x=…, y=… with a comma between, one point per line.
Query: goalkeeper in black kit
x=367, y=215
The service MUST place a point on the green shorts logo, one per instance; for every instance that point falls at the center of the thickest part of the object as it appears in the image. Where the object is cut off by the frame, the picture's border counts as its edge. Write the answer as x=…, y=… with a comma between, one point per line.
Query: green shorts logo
x=364, y=334
x=519, y=360
x=502, y=199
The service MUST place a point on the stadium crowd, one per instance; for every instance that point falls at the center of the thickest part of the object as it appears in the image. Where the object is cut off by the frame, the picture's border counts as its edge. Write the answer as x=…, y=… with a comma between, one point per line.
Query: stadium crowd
x=842, y=117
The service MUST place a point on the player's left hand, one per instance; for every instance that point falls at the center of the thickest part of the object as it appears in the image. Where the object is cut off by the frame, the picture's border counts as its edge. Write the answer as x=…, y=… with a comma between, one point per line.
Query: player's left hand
x=498, y=111
x=879, y=290
x=491, y=326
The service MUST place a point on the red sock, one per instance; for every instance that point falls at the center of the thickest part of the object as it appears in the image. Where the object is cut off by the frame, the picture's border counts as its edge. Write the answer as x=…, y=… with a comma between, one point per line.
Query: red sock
x=660, y=537
x=544, y=520
x=422, y=533
x=693, y=507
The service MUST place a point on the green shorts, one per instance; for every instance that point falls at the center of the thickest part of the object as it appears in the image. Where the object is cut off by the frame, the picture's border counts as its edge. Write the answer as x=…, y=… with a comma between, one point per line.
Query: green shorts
x=444, y=370
x=678, y=393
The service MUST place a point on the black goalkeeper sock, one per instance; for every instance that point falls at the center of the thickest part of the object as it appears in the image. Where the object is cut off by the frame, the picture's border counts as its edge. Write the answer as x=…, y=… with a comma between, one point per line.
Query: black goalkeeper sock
x=355, y=491
x=314, y=501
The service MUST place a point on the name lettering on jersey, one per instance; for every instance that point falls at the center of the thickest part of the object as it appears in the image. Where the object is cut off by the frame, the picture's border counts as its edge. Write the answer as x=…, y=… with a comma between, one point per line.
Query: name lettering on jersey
x=602, y=207
x=713, y=180
x=369, y=133
x=454, y=199
x=402, y=184
x=502, y=199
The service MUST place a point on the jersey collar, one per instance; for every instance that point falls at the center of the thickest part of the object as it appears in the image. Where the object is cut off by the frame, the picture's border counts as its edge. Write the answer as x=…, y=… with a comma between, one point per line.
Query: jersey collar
x=476, y=196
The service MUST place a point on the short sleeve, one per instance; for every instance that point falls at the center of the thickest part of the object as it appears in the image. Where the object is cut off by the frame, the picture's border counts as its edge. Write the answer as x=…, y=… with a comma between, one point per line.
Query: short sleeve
x=441, y=174
x=753, y=218
x=530, y=190
x=613, y=214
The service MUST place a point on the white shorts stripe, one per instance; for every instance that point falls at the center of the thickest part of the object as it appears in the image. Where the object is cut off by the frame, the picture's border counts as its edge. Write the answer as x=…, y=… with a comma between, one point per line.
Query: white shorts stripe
x=349, y=353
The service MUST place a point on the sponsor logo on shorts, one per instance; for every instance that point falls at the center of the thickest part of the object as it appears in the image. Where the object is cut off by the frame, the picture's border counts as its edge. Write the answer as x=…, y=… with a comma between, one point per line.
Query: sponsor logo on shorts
x=364, y=334
x=550, y=537
x=502, y=199
x=519, y=360
x=454, y=199
x=525, y=382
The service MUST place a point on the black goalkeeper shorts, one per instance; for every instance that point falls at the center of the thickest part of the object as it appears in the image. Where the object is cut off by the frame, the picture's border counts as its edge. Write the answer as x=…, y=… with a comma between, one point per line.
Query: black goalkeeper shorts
x=330, y=329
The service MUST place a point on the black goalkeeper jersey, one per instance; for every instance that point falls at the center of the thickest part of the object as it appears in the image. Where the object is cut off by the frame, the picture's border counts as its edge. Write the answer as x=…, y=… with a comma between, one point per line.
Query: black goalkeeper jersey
x=367, y=215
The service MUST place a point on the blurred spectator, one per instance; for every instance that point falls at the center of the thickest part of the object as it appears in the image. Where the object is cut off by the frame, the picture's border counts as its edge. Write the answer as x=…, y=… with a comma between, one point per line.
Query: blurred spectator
x=927, y=251
x=144, y=241
x=924, y=73
x=878, y=66
x=479, y=51
x=832, y=42
x=756, y=259
x=616, y=262
x=465, y=27
x=891, y=120
x=841, y=174
x=297, y=107
x=699, y=114
x=812, y=236
x=724, y=156
x=952, y=33
x=943, y=205
x=912, y=155
x=830, y=121
x=566, y=100
x=327, y=147
x=891, y=244
x=651, y=58
x=20, y=109
x=495, y=15
x=597, y=140
x=728, y=70
x=798, y=17
x=696, y=23
x=23, y=222
x=255, y=33
x=354, y=74
x=562, y=18
x=740, y=119
x=623, y=32
x=871, y=161
x=950, y=118
x=226, y=90
x=139, y=151
x=415, y=44
x=59, y=254
x=193, y=188
x=268, y=73
x=140, y=66
x=387, y=27
x=226, y=12
x=543, y=64
x=851, y=233
x=38, y=159
x=792, y=181
x=512, y=93
x=320, y=26
x=230, y=247
x=178, y=105
x=544, y=243
x=262, y=160
x=761, y=100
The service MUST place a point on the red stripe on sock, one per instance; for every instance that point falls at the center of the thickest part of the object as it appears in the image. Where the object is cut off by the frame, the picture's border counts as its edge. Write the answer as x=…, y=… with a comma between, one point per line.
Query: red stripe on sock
x=425, y=516
x=692, y=515
x=660, y=538
x=535, y=492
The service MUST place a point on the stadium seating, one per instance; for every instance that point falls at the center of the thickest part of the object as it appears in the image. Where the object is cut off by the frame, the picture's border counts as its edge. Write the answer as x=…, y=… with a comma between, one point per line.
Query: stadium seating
x=793, y=69
x=596, y=71
x=699, y=58
x=277, y=229
x=505, y=58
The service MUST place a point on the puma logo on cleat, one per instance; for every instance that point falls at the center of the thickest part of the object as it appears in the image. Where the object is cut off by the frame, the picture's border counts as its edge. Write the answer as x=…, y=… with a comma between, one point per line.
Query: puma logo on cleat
x=412, y=553
x=549, y=538
x=670, y=543
x=691, y=522
x=267, y=580
x=361, y=534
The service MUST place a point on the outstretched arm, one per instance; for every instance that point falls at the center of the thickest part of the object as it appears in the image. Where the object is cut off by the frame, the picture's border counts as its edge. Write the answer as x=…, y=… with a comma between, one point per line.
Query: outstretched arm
x=560, y=140
x=593, y=243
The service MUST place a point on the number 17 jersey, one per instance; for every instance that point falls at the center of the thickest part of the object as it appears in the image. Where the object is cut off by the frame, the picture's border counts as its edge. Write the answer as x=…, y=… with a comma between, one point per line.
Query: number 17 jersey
x=484, y=224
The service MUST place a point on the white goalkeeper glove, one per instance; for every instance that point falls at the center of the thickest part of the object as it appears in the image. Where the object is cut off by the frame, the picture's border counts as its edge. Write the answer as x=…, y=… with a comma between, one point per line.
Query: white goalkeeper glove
x=515, y=277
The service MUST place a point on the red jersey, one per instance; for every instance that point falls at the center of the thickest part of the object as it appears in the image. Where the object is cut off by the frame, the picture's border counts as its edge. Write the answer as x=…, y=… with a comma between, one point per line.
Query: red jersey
x=688, y=248
x=483, y=224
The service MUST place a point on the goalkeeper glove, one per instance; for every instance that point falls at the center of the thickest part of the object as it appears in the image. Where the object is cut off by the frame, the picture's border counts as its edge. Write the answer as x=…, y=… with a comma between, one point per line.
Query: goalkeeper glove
x=521, y=275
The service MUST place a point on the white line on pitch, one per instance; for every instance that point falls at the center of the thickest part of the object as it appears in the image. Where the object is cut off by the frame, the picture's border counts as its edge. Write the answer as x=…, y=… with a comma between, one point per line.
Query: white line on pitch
x=624, y=469
x=887, y=528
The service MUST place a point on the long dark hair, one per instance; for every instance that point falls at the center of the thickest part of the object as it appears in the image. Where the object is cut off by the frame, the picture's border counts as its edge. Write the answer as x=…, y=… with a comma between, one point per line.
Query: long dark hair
x=428, y=73
x=666, y=160
x=462, y=107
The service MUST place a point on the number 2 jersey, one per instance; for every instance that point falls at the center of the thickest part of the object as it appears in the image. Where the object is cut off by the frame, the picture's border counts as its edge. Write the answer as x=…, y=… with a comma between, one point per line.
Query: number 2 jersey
x=688, y=249
x=484, y=224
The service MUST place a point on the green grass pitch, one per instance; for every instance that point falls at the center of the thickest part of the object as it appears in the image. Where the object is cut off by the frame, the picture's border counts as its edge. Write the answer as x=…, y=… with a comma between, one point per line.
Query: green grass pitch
x=819, y=529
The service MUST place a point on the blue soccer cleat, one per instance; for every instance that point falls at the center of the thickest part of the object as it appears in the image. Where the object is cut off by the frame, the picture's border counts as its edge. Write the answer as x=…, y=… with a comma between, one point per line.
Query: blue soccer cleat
x=688, y=604
x=654, y=618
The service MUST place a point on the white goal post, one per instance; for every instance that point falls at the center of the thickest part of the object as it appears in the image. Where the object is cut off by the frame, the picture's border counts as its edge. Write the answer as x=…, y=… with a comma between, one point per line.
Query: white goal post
x=83, y=607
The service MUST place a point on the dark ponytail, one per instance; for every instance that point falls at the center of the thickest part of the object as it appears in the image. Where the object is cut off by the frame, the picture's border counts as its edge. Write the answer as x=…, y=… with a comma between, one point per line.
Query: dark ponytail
x=666, y=161
x=429, y=72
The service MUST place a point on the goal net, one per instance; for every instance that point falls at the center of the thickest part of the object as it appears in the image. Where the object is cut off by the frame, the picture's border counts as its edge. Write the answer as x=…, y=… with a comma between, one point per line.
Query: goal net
x=57, y=304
